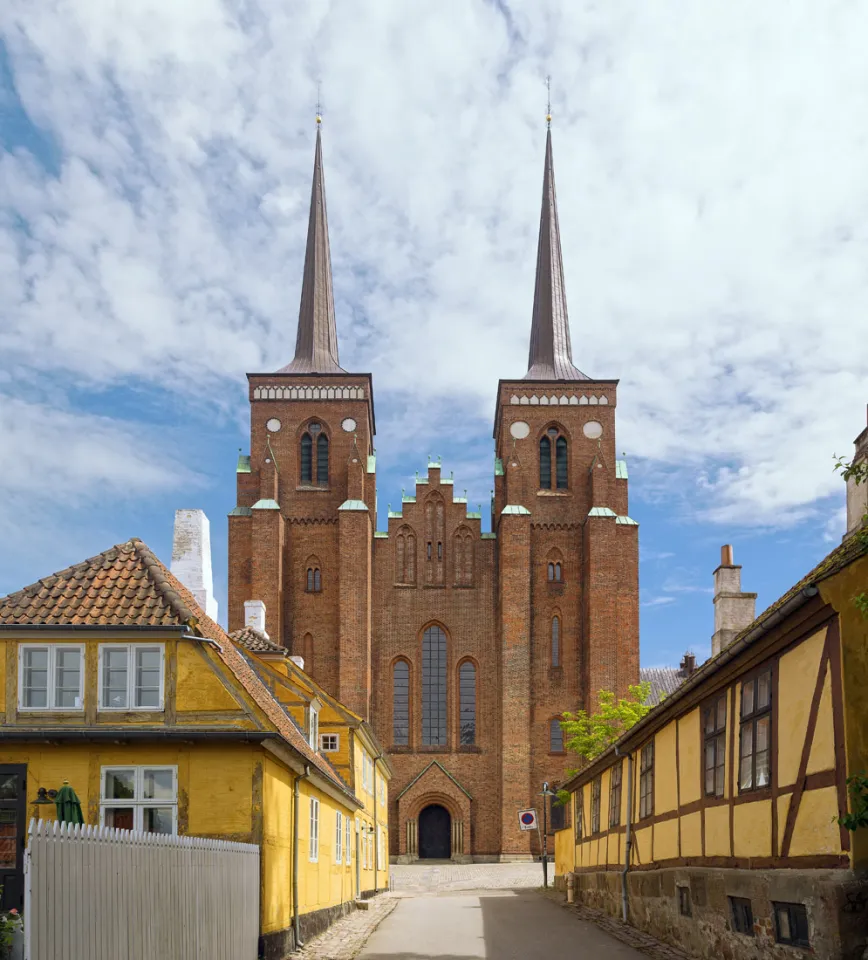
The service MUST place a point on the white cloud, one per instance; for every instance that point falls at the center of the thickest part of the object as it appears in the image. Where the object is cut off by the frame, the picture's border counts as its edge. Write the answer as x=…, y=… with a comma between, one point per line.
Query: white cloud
x=711, y=171
x=658, y=601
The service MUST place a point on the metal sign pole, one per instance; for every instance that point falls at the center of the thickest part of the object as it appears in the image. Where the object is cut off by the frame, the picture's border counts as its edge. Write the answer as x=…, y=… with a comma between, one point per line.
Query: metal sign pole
x=545, y=858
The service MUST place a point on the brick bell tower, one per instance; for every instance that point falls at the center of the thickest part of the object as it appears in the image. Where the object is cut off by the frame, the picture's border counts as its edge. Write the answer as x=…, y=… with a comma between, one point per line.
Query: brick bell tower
x=571, y=627
x=300, y=536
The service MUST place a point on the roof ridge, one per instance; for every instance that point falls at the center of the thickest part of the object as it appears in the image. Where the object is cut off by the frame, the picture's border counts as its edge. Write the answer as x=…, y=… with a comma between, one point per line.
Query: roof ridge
x=159, y=576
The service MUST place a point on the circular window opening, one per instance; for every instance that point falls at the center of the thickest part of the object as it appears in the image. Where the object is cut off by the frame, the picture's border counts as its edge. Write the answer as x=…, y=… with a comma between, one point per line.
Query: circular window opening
x=272, y=425
x=592, y=430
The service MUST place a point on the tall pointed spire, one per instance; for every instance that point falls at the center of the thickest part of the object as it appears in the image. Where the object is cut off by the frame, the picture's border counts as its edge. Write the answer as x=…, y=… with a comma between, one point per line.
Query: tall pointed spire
x=550, y=356
x=316, y=345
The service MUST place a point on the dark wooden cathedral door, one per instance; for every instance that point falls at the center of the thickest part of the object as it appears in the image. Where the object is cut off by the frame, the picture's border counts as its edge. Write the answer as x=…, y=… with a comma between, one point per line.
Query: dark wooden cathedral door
x=435, y=833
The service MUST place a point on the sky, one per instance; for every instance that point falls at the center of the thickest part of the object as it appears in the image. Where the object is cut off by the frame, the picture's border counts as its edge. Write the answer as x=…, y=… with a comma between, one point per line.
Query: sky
x=712, y=175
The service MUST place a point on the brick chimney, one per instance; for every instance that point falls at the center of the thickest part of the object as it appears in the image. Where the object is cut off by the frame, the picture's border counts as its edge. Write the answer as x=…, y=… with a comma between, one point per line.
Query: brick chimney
x=254, y=616
x=857, y=494
x=191, y=557
x=687, y=665
x=733, y=609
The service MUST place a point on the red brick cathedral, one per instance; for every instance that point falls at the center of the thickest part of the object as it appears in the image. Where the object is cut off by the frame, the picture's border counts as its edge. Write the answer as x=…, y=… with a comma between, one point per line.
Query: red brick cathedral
x=461, y=648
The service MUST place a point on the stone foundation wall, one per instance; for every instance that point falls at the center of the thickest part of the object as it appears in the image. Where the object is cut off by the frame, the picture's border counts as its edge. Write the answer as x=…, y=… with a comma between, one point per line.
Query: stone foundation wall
x=836, y=902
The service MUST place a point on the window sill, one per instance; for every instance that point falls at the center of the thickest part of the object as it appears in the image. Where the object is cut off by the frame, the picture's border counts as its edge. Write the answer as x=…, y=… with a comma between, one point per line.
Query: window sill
x=404, y=586
x=554, y=493
x=116, y=710
x=433, y=748
x=557, y=753
x=401, y=748
x=42, y=711
x=435, y=586
x=470, y=748
x=462, y=586
x=313, y=488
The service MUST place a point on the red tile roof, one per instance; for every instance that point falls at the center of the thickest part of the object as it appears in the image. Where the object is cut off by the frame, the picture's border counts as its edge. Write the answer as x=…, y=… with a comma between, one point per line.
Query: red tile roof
x=128, y=586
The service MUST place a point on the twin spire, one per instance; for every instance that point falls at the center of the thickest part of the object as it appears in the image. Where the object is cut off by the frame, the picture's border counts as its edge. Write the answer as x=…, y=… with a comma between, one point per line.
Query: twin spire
x=316, y=346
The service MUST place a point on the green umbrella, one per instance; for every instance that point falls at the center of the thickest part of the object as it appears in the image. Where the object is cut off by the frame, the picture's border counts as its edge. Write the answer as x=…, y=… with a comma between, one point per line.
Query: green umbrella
x=68, y=805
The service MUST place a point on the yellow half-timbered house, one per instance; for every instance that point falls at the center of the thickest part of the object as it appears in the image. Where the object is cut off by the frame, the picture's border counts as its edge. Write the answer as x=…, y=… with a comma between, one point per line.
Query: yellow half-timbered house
x=713, y=822
x=112, y=678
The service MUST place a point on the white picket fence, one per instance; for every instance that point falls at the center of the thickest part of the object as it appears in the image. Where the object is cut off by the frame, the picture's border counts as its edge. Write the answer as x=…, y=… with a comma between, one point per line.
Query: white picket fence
x=96, y=893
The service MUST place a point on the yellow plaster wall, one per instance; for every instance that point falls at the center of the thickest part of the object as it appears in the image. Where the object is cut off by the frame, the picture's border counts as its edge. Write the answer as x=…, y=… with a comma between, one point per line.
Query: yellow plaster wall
x=689, y=754
x=641, y=852
x=716, y=831
x=666, y=839
x=224, y=789
x=797, y=679
x=276, y=863
x=752, y=829
x=199, y=688
x=565, y=852
x=839, y=591
x=613, y=849
x=665, y=795
x=822, y=756
x=5, y=648
x=816, y=831
x=691, y=835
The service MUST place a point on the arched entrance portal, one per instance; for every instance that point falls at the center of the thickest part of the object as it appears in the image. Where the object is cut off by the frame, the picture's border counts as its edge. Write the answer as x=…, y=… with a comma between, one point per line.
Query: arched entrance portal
x=435, y=833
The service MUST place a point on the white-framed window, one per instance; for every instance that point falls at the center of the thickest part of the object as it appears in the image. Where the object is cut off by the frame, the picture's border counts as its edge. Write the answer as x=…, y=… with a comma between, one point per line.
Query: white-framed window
x=139, y=798
x=50, y=676
x=367, y=773
x=131, y=676
x=313, y=726
x=382, y=792
x=348, y=834
x=313, y=852
x=329, y=742
x=339, y=836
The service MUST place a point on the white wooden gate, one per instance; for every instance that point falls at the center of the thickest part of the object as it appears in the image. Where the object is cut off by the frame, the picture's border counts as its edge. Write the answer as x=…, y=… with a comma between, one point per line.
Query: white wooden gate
x=96, y=893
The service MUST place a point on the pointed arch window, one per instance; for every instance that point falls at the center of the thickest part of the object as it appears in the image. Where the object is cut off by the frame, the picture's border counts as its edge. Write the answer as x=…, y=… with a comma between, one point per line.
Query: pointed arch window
x=434, y=687
x=314, y=580
x=462, y=557
x=467, y=708
x=556, y=737
x=556, y=641
x=553, y=460
x=405, y=556
x=401, y=703
x=434, y=532
x=555, y=572
x=314, y=455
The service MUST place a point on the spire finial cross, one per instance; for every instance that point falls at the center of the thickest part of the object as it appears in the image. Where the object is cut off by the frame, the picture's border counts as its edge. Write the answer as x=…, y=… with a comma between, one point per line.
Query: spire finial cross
x=548, y=101
x=319, y=101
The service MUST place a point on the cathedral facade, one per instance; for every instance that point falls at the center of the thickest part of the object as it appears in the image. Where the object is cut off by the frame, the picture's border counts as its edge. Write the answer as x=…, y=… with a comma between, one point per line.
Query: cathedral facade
x=460, y=647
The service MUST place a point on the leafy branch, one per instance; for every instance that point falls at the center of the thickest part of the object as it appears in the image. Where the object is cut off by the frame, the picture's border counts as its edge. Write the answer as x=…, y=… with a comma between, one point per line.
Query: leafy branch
x=858, y=472
x=858, y=785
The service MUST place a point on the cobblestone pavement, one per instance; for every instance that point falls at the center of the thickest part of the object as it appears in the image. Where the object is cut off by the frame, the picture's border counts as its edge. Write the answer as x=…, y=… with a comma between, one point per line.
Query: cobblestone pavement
x=416, y=878
x=345, y=938
x=650, y=946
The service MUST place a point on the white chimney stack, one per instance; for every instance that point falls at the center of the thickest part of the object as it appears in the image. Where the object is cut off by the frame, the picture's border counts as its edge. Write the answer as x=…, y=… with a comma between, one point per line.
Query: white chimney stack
x=254, y=615
x=857, y=493
x=191, y=557
x=733, y=609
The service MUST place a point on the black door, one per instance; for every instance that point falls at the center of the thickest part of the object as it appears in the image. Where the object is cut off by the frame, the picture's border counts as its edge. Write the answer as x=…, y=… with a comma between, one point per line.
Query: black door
x=435, y=833
x=13, y=818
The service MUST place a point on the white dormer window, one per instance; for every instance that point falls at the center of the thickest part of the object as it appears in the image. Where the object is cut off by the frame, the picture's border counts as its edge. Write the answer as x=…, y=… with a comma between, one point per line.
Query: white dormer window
x=313, y=726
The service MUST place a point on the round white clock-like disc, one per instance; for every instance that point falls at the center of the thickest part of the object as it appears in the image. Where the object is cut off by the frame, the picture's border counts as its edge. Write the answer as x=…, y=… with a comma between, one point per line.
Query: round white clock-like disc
x=349, y=425
x=272, y=425
x=592, y=430
x=519, y=429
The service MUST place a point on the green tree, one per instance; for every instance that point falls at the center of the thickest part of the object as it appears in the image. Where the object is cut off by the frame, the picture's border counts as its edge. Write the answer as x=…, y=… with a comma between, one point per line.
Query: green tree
x=588, y=734
x=859, y=474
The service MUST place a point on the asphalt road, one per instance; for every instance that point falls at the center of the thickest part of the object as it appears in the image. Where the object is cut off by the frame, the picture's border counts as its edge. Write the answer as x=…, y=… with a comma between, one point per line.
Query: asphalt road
x=491, y=924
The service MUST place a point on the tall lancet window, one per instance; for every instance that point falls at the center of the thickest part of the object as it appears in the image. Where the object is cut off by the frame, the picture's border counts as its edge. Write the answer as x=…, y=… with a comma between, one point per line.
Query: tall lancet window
x=467, y=695
x=556, y=641
x=434, y=687
x=314, y=459
x=553, y=468
x=401, y=704
x=434, y=532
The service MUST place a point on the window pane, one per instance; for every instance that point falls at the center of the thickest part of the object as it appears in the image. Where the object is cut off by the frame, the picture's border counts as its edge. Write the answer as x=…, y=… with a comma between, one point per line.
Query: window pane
x=322, y=459
x=148, y=664
x=763, y=691
x=310, y=579
x=401, y=703
x=718, y=776
x=157, y=820
x=467, y=683
x=762, y=734
x=9, y=786
x=745, y=777
x=747, y=698
x=556, y=642
x=35, y=678
x=556, y=737
x=747, y=739
x=121, y=818
x=784, y=923
x=8, y=838
x=551, y=571
x=67, y=678
x=709, y=767
x=114, y=679
x=306, y=458
x=434, y=687
x=561, y=458
x=159, y=785
x=120, y=784
x=762, y=768
x=316, y=581
x=721, y=713
x=545, y=463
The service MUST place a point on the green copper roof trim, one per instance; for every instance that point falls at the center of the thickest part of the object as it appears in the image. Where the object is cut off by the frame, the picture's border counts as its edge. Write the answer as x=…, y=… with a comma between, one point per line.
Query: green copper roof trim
x=240, y=512
x=489, y=536
x=353, y=505
x=421, y=480
x=381, y=535
x=435, y=463
x=395, y=516
x=459, y=499
x=602, y=512
x=266, y=505
x=620, y=469
x=474, y=516
x=446, y=480
x=626, y=521
x=243, y=464
x=498, y=467
x=408, y=499
x=516, y=510
x=372, y=463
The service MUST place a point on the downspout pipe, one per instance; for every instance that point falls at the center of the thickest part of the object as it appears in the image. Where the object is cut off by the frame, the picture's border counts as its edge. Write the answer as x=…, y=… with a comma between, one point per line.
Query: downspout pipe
x=628, y=843
x=295, y=797
x=376, y=837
